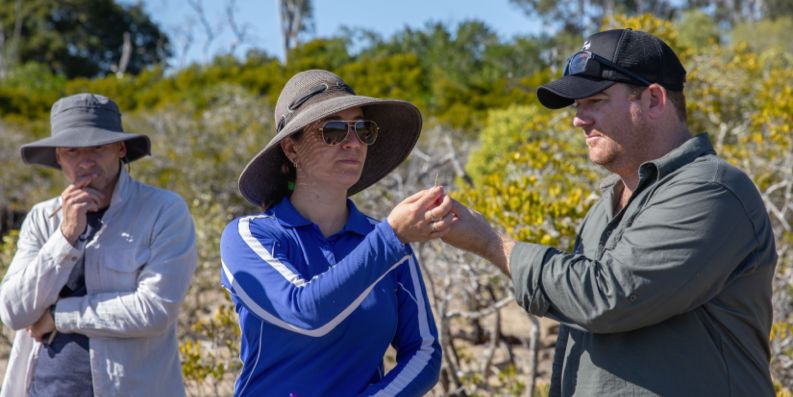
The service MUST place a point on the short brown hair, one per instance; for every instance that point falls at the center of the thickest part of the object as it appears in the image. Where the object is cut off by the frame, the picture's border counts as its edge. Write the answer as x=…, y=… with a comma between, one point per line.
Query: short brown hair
x=678, y=99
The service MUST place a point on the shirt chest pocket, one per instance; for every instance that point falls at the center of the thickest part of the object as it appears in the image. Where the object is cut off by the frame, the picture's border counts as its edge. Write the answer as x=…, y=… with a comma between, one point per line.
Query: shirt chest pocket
x=120, y=266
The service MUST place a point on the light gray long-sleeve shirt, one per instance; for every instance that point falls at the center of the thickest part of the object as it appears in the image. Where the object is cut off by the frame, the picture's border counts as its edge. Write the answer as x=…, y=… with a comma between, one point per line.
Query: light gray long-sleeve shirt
x=671, y=296
x=137, y=270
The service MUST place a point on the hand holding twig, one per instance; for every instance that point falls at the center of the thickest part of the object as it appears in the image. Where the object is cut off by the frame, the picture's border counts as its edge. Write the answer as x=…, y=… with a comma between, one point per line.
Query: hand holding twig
x=423, y=216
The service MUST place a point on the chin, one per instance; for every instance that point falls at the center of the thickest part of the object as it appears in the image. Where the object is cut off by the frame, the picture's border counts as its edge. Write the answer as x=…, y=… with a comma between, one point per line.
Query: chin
x=348, y=180
x=603, y=161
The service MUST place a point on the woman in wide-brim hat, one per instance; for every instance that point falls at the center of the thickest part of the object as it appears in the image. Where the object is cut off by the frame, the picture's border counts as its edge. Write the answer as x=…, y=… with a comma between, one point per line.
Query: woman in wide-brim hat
x=321, y=289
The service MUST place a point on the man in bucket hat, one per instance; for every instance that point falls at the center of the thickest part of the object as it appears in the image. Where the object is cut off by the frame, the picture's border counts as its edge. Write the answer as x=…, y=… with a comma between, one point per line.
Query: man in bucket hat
x=100, y=271
x=321, y=289
x=668, y=288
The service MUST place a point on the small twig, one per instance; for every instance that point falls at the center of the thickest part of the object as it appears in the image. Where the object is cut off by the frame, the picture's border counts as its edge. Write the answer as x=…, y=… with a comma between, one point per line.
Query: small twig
x=471, y=315
x=491, y=350
x=534, y=353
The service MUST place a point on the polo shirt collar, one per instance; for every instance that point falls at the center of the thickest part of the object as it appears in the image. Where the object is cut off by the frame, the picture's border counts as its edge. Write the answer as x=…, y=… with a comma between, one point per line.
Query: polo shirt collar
x=289, y=216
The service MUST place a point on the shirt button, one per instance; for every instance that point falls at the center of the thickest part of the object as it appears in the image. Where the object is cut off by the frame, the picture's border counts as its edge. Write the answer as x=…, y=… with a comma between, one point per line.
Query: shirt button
x=632, y=298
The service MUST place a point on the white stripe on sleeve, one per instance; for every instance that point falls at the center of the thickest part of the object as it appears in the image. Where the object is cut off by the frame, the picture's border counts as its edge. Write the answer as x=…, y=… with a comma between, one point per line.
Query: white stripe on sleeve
x=419, y=361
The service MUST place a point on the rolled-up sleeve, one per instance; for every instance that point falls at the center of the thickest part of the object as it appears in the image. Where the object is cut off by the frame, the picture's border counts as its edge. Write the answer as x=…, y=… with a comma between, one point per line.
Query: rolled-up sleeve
x=677, y=254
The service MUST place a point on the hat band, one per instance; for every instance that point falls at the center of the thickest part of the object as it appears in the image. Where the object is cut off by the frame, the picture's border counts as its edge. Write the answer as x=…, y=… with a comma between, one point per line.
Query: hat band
x=314, y=91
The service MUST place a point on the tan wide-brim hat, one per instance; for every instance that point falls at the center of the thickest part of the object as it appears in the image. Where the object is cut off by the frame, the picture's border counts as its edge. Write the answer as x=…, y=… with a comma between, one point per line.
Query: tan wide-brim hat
x=84, y=120
x=313, y=95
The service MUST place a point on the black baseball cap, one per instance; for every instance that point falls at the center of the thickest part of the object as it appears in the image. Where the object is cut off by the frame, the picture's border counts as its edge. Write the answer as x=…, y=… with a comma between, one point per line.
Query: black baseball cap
x=624, y=56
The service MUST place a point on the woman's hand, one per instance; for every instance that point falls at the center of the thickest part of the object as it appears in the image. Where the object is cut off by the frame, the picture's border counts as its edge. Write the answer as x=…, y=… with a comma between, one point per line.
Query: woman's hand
x=423, y=216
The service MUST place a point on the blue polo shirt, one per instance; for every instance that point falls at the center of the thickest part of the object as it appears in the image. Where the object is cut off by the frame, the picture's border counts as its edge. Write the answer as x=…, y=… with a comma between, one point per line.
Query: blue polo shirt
x=318, y=313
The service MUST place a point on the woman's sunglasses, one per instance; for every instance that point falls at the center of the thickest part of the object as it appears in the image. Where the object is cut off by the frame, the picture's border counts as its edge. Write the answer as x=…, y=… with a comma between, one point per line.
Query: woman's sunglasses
x=334, y=132
x=588, y=63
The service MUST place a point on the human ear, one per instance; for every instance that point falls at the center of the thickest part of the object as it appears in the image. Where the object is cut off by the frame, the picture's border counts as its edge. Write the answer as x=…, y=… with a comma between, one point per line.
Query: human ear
x=122, y=151
x=288, y=146
x=656, y=100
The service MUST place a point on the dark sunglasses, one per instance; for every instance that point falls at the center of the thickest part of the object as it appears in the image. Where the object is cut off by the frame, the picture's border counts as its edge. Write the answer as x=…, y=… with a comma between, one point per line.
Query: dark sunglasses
x=587, y=63
x=334, y=132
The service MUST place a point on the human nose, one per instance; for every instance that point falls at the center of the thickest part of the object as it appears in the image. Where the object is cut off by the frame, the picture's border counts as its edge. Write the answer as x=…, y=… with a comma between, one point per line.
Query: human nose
x=581, y=119
x=86, y=160
x=352, y=138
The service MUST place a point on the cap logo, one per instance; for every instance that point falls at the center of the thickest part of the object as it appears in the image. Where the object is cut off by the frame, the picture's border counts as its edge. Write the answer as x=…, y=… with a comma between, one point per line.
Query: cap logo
x=586, y=46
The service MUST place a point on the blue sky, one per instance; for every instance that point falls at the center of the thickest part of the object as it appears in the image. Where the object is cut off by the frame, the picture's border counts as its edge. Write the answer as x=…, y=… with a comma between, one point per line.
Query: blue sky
x=259, y=18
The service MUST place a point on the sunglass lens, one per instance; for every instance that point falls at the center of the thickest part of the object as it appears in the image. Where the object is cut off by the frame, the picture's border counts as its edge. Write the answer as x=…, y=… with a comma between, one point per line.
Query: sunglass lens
x=577, y=63
x=334, y=132
x=367, y=131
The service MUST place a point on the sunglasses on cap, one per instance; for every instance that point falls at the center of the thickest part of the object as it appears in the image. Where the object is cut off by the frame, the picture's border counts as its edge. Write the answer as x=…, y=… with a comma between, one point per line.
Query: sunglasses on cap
x=334, y=132
x=587, y=63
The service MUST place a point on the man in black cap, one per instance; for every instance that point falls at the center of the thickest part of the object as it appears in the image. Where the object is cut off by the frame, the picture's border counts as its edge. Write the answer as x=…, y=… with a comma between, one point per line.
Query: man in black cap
x=99, y=273
x=668, y=289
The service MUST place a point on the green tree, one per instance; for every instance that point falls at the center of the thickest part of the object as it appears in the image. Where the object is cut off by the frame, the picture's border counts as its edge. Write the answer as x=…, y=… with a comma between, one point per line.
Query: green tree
x=697, y=30
x=81, y=37
x=464, y=70
x=766, y=35
x=580, y=17
x=732, y=12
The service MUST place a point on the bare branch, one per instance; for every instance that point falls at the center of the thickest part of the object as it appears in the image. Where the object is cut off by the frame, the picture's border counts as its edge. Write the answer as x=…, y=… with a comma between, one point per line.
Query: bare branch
x=296, y=16
x=198, y=7
x=534, y=350
x=240, y=32
x=470, y=315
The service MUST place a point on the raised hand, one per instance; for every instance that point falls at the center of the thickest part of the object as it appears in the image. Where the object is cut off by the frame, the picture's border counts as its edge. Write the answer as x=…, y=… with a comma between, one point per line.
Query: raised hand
x=423, y=216
x=76, y=200
x=471, y=232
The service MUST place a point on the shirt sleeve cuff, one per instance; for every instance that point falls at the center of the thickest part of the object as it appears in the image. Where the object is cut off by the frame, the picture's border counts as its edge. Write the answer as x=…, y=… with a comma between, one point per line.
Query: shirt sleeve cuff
x=61, y=251
x=526, y=263
x=66, y=314
x=390, y=237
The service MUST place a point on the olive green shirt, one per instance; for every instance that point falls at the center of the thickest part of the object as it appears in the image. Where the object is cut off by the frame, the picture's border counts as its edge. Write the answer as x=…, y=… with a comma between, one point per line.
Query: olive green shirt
x=671, y=296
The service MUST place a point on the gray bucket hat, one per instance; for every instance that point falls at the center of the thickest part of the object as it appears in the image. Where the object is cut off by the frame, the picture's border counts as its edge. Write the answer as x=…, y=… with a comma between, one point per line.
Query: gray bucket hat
x=310, y=96
x=84, y=120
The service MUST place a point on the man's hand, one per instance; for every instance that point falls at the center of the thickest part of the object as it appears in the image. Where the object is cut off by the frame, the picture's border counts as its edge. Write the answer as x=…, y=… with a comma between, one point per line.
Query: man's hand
x=76, y=201
x=423, y=216
x=43, y=326
x=471, y=232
